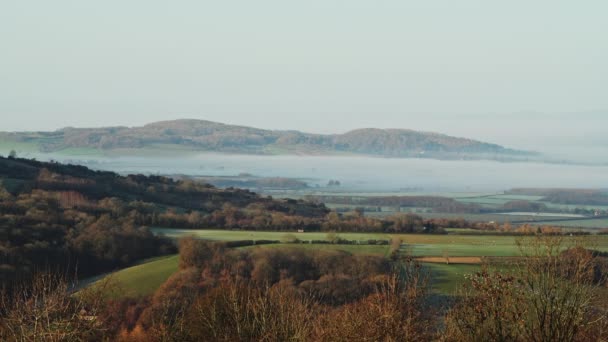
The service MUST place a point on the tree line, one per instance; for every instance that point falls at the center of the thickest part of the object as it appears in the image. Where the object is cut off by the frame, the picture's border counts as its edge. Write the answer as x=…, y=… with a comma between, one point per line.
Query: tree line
x=555, y=291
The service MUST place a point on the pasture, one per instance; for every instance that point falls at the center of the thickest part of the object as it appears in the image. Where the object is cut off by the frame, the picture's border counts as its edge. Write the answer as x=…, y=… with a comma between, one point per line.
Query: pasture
x=492, y=203
x=374, y=250
x=142, y=279
x=448, y=279
x=413, y=244
x=466, y=251
x=586, y=223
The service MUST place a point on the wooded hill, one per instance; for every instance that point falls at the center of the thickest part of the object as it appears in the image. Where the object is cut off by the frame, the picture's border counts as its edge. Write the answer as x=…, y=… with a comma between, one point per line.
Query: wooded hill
x=67, y=218
x=199, y=135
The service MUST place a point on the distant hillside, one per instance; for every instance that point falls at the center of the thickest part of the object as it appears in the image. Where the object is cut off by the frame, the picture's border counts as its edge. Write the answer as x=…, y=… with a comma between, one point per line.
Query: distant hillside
x=69, y=218
x=597, y=197
x=199, y=135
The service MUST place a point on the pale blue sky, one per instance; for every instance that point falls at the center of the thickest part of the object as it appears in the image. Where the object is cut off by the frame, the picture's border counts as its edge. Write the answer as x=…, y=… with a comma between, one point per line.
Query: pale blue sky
x=315, y=65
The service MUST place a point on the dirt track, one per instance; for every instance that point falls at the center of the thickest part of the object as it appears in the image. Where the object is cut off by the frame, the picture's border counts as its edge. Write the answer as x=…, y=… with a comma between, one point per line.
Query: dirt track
x=452, y=260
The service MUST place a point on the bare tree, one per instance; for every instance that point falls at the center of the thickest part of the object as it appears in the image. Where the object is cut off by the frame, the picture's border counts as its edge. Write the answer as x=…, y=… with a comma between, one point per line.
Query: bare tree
x=547, y=295
x=46, y=310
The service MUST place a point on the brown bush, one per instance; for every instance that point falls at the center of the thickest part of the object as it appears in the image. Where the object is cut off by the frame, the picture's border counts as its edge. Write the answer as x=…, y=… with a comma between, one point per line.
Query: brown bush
x=549, y=296
x=239, y=311
x=395, y=312
x=45, y=310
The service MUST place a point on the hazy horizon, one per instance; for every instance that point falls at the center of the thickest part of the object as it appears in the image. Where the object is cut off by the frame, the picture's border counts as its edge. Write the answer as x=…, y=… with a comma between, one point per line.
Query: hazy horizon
x=520, y=74
x=575, y=136
x=313, y=66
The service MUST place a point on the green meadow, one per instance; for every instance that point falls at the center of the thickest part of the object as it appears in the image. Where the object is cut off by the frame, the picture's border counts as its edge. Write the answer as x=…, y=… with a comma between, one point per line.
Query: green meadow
x=145, y=278
x=142, y=279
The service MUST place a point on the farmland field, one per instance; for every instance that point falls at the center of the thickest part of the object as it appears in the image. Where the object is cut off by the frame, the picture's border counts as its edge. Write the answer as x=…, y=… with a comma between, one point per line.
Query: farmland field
x=447, y=279
x=20, y=147
x=414, y=244
x=492, y=203
x=234, y=235
x=352, y=249
x=143, y=279
x=589, y=223
x=532, y=218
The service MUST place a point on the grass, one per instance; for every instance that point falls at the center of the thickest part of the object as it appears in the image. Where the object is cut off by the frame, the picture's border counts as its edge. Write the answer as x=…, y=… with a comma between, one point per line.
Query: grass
x=447, y=279
x=414, y=244
x=492, y=202
x=145, y=278
x=78, y=152
x=352, y=249
x=574, y=206
x=234, y=235
x=453, y=249
x=499, y=218
x=485, y=200
x=590, y=223
x=519, y=197
x=7, y=145
x=461, y=230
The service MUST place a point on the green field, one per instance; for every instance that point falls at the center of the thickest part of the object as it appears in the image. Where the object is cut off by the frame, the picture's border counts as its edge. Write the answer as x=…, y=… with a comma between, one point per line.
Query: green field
x=590, y=223
x=20, y=147
x=447, y=279
x=145, y=278
x=485, y=200
x=492, y=202
x=413, y=244
x=235, y=235
x=77, y=152
x=498, y=218
x=352, y=249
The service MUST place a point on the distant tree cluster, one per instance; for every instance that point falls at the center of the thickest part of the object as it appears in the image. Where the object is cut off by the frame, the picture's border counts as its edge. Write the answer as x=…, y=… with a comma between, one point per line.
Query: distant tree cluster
x=525, y=206
x=281, y=294
x=438, y=204
x=44, y=230
x=333, y=183
x=567, y=196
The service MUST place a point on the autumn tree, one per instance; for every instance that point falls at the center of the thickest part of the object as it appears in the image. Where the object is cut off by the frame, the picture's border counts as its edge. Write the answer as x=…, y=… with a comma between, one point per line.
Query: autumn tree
x=396, y=311
x=547, y=296
x=194, y=252
x=46, y=310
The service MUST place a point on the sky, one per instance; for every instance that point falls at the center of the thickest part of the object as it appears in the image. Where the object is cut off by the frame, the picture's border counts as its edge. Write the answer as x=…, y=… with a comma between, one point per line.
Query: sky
x=513, y=72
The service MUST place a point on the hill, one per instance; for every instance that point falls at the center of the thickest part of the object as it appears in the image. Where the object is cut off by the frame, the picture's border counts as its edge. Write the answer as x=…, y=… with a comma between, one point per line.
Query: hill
x=72, y=219
x=199, y=135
